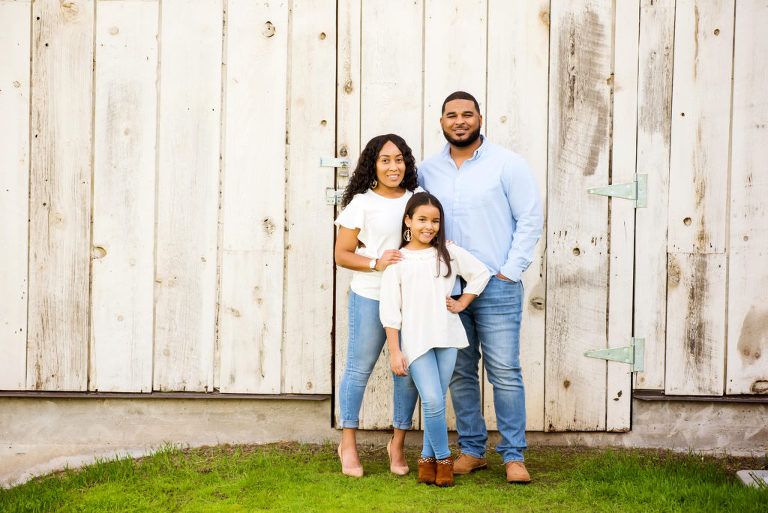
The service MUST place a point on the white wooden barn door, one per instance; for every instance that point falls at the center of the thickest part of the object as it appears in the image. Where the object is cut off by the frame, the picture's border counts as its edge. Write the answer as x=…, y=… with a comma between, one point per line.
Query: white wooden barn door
x=590, y=239
x=160, y=169
x=554, y=85
x=702, y=286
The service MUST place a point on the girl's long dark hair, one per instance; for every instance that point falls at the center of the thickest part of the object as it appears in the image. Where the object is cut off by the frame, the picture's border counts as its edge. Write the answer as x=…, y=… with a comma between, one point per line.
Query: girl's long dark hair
x=438, y=241
x=365, y=172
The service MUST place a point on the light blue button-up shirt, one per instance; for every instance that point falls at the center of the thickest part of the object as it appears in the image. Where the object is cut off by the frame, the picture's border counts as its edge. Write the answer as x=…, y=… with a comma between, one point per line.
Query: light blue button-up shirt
x=492, y=205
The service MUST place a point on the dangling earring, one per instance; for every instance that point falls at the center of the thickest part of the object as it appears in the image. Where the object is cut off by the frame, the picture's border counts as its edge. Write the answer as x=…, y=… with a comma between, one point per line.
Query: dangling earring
x=374, y=183
x=407, y=235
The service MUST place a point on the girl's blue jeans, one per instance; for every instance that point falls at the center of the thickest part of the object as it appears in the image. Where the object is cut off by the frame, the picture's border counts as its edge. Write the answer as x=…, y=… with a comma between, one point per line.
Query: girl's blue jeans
x=432, y=373
x=366, y=339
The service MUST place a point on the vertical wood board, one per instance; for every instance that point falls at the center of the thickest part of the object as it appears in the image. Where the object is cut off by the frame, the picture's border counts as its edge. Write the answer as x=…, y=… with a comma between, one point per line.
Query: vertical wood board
x=455, y=47
x=622, y=212
x=696, y=324
x=701, y=106
x=655, y=59
x=124, y=196
x=60, y=195
x=747, y=369
x=518, y=73
x=188, y=194
x=390, y=102
x=577, y=229
x=348, y=146
x=308, y=296
x=253, y=198
x=700, y=126
x=390, y=69
x=15, y=30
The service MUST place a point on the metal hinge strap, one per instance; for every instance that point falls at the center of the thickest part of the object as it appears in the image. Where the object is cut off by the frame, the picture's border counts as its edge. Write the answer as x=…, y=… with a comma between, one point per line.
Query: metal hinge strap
x=633, y=355
x=636, y=190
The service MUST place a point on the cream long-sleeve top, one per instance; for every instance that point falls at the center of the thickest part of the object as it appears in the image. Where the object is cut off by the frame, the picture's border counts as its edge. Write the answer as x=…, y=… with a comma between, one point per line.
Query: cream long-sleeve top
x=413, y=299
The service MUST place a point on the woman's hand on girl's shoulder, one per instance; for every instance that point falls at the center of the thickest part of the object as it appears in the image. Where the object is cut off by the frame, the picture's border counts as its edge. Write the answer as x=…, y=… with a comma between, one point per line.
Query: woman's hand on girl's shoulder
x=398, y=363
x=389, y=257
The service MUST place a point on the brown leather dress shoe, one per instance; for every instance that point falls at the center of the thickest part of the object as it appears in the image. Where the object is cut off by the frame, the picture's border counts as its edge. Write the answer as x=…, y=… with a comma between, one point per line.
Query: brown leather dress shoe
x=465, y=464
x=516, y=473
x=427, y=470
x=444, y=472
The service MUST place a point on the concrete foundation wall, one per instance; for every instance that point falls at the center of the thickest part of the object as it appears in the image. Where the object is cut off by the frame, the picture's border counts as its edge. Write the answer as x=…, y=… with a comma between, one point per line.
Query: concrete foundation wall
x=41, y=435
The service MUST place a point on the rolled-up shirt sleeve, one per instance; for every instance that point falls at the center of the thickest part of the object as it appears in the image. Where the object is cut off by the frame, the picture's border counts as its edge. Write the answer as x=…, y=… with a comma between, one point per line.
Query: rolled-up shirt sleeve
x=390, y=300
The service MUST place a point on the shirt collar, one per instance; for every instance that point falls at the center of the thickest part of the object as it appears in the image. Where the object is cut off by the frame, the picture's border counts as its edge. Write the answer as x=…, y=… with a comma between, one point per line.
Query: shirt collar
x=478, y=152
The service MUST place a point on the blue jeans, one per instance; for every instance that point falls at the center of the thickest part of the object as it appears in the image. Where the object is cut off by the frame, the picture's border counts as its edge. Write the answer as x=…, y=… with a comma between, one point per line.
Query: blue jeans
x=432, y=372
x=492, y=323
x=366, y=339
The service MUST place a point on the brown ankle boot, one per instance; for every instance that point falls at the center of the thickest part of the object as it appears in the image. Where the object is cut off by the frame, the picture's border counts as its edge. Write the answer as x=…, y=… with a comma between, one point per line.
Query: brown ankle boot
x=427, y=470
x=444, y=472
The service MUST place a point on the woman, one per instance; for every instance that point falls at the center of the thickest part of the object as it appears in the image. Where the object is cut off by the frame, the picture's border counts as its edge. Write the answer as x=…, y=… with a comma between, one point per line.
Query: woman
x=367, y=242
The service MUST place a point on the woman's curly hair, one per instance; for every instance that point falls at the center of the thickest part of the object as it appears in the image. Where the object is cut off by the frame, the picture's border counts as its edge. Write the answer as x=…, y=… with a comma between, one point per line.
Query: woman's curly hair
x=365, y=171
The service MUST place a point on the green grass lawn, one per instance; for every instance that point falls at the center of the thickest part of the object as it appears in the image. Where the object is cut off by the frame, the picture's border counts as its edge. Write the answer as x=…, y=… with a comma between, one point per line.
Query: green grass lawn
x=295, y=477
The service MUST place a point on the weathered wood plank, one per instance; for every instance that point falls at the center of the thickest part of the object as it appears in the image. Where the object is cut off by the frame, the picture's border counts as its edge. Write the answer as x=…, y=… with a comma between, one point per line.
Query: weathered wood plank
x=15, y=30
x=695, y=326
x=124, y=196
x=455, y=45
x=747, y=371
x=622, y=212
x=188, y=194
x=308, y=300
x=657, y=24
x=700, y=119
x=518, y=73
x=389, y=103
x=250, y=312
x=577, y=232
x=60, y=194
x=347, y=145
x=701, y=106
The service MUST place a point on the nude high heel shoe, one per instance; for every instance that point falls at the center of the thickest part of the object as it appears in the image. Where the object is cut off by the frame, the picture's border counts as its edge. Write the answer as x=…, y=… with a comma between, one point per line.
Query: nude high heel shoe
x=349, y=471
x=400, y=470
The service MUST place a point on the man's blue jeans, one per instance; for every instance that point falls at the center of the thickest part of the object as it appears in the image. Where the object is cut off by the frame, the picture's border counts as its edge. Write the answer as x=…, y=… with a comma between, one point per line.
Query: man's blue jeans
x=366, y=339
x=492, y=323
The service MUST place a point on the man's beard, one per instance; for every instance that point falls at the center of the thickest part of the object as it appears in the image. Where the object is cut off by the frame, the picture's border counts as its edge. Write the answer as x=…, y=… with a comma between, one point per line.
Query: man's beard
x=460, y=143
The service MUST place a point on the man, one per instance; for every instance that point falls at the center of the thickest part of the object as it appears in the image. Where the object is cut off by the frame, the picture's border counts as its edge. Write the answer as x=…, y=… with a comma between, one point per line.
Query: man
x=493, y=210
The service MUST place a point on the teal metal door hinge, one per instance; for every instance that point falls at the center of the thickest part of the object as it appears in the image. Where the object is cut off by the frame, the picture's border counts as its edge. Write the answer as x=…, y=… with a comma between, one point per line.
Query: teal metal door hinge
x=633, y=355
x=637, y=190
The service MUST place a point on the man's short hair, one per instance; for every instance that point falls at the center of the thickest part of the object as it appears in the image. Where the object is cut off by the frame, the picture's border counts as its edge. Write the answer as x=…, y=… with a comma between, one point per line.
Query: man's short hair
x=460, y=95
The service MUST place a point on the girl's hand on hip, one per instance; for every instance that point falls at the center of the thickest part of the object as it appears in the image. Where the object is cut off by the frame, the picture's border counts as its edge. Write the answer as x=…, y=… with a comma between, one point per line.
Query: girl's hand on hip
x=398, y=363
x=389, y=257
x=454, y=306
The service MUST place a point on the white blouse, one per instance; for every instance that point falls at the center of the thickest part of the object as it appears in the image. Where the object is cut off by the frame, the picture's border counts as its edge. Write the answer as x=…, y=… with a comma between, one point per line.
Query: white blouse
x=413, y=299
x=379, y=220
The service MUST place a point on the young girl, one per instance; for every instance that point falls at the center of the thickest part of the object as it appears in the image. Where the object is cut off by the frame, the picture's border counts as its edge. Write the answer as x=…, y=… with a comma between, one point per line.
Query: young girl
x=414, y=297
